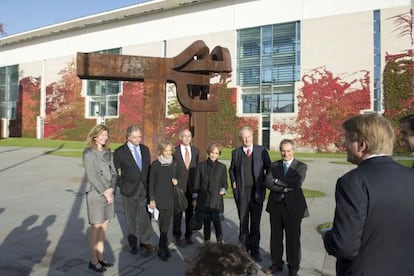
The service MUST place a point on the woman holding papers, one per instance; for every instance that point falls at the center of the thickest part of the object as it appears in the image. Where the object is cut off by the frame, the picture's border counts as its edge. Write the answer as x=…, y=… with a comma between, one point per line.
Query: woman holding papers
x=161, y=181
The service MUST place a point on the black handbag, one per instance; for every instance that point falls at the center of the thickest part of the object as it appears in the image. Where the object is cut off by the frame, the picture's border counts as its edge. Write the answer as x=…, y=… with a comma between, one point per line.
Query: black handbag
x=180, y=200
x=196, y=222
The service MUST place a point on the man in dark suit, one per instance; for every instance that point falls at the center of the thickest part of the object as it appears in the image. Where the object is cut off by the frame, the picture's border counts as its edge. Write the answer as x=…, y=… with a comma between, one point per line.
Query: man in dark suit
x=132, y=161
x=407, y=131
x=248, y=167
x=186, y=157
x=286, y=206
x=372, y=232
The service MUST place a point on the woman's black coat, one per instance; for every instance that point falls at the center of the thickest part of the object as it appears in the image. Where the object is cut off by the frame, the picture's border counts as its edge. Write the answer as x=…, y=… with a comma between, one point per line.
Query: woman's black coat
x=210, y=178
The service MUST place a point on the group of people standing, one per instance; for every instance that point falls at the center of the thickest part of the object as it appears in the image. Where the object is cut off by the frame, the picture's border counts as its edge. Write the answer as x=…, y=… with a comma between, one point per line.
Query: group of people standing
x=372, y=200
x=148, y=185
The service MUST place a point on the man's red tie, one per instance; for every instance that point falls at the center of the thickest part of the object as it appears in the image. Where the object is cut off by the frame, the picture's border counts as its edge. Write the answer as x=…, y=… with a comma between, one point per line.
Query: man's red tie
x=248, y=152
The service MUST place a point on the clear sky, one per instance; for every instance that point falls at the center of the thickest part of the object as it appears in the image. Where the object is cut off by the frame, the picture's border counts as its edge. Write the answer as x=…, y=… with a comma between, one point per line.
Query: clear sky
x=19, y=16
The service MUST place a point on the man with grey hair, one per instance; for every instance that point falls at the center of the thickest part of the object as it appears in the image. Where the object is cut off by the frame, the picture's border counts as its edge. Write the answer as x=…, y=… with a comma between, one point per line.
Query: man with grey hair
x=186, y=157
x=249, y=164
x=374, y=216
x=286, y=207
x=132, y=161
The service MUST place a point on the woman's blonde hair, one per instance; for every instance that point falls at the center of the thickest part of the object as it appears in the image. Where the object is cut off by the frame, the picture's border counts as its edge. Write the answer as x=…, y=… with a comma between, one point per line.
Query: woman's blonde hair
x=163, y=145
x=93, y=133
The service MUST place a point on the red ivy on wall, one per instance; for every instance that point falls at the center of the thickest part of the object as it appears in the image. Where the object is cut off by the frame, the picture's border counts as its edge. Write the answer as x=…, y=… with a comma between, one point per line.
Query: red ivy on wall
x=131, y=111
x=324, y=103
x=65, y=108
x=65, y=112
x=399, y=90
x=174, y=125
x=224, y=125
x=27, y=109
x=398, y=76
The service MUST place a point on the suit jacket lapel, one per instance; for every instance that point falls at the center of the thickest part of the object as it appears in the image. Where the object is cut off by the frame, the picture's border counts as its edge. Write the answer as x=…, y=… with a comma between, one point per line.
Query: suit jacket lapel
x=279, y=168
x=180, y=156
x=193, y=155
x=292, y=166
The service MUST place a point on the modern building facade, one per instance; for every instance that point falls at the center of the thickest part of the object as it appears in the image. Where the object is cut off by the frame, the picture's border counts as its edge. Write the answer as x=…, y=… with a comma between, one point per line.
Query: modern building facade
x=275, y=45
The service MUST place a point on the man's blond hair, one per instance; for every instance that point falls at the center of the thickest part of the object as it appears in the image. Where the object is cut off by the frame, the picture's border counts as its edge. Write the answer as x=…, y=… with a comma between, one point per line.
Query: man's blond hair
x=374, y=129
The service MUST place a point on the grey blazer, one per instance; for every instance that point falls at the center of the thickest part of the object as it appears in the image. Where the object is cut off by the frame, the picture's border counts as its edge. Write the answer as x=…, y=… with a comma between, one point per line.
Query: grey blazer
x=99, y=169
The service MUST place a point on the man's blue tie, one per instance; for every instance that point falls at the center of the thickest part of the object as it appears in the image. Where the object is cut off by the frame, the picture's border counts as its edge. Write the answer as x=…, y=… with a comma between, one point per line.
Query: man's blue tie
x=285, y=168
x=138, y=158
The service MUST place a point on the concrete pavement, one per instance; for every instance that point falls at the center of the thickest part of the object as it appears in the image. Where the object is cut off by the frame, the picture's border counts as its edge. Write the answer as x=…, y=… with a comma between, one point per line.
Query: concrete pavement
x=44, y=223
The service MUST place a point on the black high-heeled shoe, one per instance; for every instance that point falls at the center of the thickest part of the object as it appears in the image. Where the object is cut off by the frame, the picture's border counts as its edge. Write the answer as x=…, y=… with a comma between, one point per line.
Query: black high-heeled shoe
x=105, y=263
x=95, y=268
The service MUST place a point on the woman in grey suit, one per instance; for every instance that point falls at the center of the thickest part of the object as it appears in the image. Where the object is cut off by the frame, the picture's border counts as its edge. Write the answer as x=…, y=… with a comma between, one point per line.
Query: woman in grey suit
x=101, y=176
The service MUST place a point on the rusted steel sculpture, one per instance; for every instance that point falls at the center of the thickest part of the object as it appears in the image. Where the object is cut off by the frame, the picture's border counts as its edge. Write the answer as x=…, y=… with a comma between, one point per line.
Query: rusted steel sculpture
x=191, y=71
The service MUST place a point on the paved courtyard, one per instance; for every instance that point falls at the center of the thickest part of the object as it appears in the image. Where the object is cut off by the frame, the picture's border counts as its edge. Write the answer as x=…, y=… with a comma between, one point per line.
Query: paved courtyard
x=44, y=224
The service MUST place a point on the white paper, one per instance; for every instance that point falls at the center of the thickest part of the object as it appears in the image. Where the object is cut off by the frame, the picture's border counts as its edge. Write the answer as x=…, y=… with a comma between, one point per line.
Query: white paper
x=155, y=212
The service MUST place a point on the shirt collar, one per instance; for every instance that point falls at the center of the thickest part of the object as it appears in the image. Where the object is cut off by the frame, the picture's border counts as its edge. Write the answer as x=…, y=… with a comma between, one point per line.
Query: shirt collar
x=184, y=146
x=375, y=155
x=132, y=146
x=288, y=162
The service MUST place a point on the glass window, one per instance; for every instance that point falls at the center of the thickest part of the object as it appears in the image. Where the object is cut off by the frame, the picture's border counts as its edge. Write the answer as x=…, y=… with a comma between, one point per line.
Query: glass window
x=282, y=102
x=102, y=95
x=9, y=91
x=267, y=69
x=249, y=43
x=103, y=106
x=377, y=61
x=251, y=103
x=267, y=40
x=268, y=57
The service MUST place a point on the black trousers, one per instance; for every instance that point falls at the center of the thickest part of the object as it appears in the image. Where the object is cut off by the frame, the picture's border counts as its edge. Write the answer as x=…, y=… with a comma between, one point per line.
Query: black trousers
x=215, y=218
x=281, y=223
x=178, y=218
x=250, y=213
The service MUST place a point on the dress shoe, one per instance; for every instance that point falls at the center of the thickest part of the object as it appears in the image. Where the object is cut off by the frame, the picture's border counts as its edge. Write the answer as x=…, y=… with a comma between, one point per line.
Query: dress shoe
x=150, y=248
x=105, y=263
x=293, y=272
x=167, y=252
x=133, y=250
x=163, y=255
x=273, y=268
x=178, y=242
x=256, y=257
x=189, y=240
x=97, y=268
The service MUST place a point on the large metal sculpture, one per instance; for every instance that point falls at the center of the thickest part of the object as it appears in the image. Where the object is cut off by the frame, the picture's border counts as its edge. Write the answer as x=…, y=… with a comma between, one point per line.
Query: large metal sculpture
x=190, y=71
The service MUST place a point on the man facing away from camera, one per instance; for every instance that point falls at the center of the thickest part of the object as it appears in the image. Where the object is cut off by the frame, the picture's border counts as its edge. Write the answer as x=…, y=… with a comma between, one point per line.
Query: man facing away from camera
x=372, y=232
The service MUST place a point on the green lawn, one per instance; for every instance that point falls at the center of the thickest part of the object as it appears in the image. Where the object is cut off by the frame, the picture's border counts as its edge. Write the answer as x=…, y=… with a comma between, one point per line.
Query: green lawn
x=308, y=193
x=57, y=147
x=75, y=149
